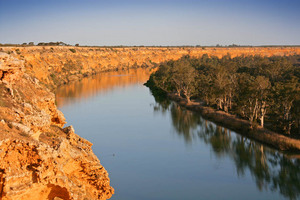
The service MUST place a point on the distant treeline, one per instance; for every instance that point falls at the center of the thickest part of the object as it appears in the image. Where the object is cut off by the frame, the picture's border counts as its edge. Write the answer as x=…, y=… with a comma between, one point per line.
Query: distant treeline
x=40, y=44
x=264, y=90
x=130, y=46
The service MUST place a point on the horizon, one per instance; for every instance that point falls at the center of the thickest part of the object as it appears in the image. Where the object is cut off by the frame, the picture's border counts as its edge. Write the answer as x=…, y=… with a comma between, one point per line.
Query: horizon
x=151, y=23
x=26, y=44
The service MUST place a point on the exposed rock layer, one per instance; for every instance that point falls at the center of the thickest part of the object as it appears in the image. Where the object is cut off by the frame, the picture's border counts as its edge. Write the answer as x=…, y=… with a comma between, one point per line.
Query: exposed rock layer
x=38, y=158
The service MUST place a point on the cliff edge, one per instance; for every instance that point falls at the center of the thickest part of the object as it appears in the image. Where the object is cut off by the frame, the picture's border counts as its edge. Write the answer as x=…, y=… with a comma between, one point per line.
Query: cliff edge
x=38, y=158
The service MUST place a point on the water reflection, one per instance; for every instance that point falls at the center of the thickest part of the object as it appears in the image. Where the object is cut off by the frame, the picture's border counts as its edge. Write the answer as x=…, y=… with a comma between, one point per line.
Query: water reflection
x=272, y=170
x=103, y=82
x=184, y=122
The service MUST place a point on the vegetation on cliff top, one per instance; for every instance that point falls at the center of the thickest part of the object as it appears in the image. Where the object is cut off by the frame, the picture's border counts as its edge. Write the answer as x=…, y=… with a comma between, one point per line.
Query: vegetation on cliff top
x=264, y=90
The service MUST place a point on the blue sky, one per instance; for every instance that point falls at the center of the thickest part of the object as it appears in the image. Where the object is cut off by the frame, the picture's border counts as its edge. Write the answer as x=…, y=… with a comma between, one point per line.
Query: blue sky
x=151, y=22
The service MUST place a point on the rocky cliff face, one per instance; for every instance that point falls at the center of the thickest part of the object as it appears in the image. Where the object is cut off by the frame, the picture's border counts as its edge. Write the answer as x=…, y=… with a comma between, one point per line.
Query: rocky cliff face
x=38, y=158
x=57, y=65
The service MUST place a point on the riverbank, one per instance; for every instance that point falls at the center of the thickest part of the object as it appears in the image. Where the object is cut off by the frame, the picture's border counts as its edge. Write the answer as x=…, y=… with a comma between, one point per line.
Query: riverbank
x=234, y=123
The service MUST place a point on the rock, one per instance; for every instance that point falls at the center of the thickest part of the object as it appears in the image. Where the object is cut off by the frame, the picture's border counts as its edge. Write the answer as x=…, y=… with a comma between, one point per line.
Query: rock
x=10, y=68
x=58, y=118
x=57, y=198
x=38, y=171
x=72, y=78
x=21, y=127
x=39, y=159
x=69, y=130
x=27, y=106
x=36, y=81
x=10, y=90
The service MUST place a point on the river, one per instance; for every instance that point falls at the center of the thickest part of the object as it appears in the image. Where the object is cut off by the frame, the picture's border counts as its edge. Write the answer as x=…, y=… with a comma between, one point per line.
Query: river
x=155, y=150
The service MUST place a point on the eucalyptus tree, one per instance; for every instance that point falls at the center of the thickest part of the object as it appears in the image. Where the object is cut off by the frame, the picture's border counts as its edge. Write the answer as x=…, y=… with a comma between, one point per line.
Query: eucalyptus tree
x=247, y=101
x=263, y=86
x=285, y=95
x=183, y=78
x=162, y=77
x=221, y=82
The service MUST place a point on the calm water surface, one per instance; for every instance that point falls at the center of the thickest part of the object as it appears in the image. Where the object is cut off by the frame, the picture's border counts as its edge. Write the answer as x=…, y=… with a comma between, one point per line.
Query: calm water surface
x=155, y=150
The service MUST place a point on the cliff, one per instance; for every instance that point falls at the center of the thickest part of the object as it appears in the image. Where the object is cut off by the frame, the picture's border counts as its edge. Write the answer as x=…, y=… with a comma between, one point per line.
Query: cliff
x=57, y=65
x=38, y=158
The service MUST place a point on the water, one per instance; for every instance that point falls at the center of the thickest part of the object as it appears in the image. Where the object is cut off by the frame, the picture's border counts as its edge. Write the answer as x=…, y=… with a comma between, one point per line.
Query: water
x=155, y=150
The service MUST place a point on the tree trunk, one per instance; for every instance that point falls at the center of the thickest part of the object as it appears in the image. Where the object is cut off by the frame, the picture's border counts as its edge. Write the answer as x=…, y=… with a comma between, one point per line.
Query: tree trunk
x=188, y=98
x=263, y=111
x=256, y=109
x=262, y=121
x=230, y=101
x=225, y=104
x=178, y=92
x=187, y=95
x=206, y=99
x=220, y=104
x=253, y=112
x=287, y=118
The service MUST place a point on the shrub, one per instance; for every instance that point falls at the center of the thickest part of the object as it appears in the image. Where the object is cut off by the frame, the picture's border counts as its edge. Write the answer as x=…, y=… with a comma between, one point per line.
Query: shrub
x=73, y=50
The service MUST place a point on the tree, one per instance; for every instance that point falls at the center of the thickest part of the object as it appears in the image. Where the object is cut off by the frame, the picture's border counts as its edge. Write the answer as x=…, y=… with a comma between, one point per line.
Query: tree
x=285, y=94
x=162, y=77
x=183, y=77
x=220, y=83
x=247, y=102
x=262, y=85
x=204, y=87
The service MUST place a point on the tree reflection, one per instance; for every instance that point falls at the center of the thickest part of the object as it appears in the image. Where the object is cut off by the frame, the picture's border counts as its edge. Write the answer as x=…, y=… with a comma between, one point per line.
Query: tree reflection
x=272, y=170
x=162, y=105
x=216, y=136
x=184, y=122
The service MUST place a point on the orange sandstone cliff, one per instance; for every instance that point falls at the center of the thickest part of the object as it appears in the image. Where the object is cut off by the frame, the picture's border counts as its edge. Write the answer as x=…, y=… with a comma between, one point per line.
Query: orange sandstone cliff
x=38, y=158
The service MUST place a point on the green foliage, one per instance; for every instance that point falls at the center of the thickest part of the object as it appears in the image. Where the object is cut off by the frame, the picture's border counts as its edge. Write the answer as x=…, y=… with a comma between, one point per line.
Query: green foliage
x=73, y=50
x=158, y=93
x=18, y=51
x=264, y=90
x=50, y=44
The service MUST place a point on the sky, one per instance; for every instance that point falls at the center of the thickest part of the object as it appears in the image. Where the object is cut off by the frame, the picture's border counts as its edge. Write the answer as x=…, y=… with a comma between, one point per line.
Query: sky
x=151, y=22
